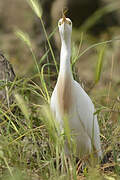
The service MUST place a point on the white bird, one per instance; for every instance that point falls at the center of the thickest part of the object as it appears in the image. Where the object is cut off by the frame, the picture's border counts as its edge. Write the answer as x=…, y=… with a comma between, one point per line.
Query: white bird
x=69, y=98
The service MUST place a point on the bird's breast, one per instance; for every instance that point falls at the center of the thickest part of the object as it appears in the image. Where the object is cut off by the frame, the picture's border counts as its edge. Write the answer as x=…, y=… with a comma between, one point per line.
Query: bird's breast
x=64, y=94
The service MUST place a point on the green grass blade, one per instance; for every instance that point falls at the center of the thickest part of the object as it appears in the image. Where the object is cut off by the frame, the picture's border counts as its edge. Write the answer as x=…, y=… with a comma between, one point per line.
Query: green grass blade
x=44, y=83
x=52, y=53
x=96, y=45
x=38, y=11
x=76, y=52
x=67, y=130
x=9, y=119
x=99, y=64
x=43, y=57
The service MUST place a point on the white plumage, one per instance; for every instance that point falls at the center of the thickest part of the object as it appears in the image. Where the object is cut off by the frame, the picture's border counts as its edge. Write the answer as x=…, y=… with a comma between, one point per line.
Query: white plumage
x=68, y=98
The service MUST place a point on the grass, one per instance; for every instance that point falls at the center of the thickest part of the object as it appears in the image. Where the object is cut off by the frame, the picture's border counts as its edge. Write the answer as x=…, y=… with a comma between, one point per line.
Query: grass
x=30, y=147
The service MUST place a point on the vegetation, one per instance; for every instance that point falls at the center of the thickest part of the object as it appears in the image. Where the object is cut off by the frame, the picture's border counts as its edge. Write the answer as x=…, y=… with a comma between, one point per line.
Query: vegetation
x=30, y=147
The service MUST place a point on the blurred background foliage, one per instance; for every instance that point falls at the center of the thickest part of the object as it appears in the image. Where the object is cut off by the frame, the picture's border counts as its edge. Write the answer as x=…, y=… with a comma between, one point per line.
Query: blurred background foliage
x=98, y=20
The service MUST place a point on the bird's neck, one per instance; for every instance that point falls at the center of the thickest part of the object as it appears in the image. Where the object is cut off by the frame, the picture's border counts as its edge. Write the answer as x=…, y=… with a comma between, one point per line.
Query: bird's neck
x=65, y=67
x=65, y=78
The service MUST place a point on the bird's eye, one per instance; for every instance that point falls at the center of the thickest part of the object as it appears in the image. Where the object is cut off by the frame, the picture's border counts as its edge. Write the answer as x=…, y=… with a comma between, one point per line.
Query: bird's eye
x=59, y=23
x=69, y=23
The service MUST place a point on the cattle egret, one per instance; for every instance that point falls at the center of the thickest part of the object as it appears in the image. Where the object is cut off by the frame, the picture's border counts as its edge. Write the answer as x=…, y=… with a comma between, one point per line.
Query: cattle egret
x=69, y=98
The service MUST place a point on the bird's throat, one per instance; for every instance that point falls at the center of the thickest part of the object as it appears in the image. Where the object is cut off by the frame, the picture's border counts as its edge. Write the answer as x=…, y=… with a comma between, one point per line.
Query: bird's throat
x=65, y=55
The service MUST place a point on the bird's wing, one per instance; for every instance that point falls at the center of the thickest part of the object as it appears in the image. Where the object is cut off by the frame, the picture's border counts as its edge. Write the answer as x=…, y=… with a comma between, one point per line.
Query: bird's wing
x=85, y=109
x=85, y=112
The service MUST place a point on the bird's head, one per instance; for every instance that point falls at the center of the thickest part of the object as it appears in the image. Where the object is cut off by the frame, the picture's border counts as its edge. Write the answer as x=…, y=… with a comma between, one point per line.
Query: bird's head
x=65, y=28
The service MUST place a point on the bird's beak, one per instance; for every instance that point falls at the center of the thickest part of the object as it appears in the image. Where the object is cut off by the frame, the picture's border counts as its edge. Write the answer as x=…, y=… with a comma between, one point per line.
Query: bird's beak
x=64, y=19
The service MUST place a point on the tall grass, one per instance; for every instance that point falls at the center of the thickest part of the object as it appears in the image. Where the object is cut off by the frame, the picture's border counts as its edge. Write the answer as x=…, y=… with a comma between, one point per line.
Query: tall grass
x=31, y=145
